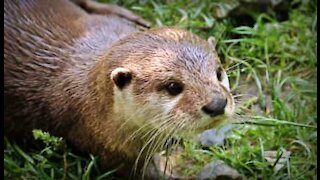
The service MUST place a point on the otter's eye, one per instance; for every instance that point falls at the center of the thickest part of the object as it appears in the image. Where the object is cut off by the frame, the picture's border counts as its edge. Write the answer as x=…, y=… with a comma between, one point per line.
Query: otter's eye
x=174, y=88
x=219, y=74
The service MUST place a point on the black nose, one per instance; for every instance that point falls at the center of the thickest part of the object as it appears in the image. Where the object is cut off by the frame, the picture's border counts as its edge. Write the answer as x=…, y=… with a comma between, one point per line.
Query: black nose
x=215, y=107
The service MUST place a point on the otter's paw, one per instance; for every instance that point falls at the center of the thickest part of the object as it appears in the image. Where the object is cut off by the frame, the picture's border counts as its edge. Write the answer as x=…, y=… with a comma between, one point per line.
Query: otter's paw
x=100, y=8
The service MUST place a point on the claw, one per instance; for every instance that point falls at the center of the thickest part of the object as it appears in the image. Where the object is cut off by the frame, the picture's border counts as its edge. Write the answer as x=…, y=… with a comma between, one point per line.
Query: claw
x=100, y=8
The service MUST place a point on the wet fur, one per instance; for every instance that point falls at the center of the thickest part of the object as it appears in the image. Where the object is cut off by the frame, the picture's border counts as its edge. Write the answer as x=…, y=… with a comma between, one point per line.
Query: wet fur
x=57, y=65
x=50, y=61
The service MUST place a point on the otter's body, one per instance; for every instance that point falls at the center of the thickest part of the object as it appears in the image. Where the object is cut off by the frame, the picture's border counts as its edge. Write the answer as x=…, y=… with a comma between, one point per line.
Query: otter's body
x=51, y=49
x=102, y=85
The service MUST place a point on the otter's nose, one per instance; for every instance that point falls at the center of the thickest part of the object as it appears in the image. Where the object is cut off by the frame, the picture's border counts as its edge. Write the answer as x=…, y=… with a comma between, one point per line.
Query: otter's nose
x=215, y=107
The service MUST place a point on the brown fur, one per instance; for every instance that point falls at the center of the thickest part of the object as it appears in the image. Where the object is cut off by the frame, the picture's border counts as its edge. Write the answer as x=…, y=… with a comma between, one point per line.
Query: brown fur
x=57, y=65
x=51, y=83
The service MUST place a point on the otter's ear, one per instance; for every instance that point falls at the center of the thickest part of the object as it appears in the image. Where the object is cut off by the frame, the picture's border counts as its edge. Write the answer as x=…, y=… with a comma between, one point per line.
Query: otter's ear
x=212, y=42
x=121, y=77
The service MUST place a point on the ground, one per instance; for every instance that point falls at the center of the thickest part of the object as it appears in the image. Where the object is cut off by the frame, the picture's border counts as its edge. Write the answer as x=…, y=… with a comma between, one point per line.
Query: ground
x=271, y=60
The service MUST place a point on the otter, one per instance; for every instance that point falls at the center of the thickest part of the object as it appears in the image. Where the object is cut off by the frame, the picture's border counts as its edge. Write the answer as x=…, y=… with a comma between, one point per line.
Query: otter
x=103, y=84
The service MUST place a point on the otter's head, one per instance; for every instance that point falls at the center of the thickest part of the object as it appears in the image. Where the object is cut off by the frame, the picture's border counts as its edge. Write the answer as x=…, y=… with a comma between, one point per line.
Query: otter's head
x=169, y=79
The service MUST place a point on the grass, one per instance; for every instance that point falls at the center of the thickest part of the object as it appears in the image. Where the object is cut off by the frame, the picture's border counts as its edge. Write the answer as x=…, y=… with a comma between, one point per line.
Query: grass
x=276, y=59
x=55, y=161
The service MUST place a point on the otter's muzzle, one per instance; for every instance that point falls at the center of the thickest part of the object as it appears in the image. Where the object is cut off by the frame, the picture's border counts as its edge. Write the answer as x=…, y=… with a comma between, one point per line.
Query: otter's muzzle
x=215, y=107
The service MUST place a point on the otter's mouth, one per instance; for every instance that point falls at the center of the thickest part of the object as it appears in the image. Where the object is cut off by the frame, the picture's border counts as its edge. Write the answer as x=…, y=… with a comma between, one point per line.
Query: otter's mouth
x=208, y=123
